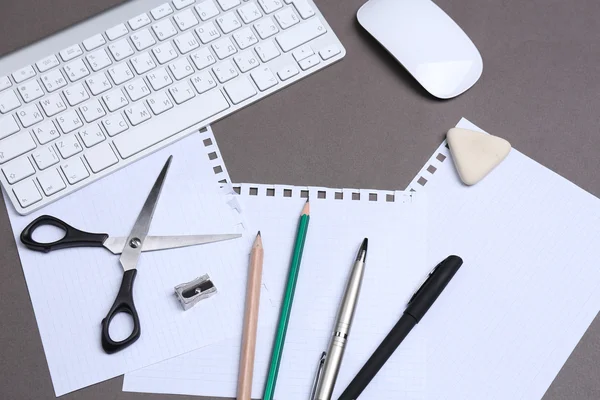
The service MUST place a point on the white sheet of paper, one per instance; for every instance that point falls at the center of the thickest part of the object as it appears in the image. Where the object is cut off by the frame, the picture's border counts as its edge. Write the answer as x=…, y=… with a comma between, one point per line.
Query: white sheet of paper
x=395, y=267
x=73, y=289
x=529, y=286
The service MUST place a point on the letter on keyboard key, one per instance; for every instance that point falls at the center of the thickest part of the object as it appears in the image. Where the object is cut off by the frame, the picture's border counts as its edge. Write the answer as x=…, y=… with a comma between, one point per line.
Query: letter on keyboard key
x=190, y=113
x=300, y=34
x=76, y=94
x=181, y=92
x=75, y=171
x=53, y=104
x=160, y=103
x=29, y=115
x=137, y=89
x=68, y=146
x=15, y=145
x=92, y=135
x=114, y=100
x=114, y=124
x=51, y=182
x=69, y=121
x=203, y=82
x=8, y=126
x=137, y=114
x=249, y=12
x=92, y=110
x=18, y=170
x=101, y=157
x=45, y=132
x=240, y=89
x=27, y=193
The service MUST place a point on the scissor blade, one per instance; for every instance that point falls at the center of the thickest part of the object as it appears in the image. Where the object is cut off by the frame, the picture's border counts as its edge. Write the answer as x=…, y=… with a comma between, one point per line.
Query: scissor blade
x=153, y=243
x=135, y=240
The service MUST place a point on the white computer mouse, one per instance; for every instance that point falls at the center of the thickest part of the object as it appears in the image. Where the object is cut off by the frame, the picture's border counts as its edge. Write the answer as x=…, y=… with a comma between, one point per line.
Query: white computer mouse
x=427, y=42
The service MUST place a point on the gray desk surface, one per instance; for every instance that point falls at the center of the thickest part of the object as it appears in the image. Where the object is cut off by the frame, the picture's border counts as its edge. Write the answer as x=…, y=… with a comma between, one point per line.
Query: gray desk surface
x=365, y=123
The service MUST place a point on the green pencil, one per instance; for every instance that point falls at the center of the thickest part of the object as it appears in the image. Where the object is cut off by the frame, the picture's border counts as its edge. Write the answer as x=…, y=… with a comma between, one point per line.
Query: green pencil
x=286, y=307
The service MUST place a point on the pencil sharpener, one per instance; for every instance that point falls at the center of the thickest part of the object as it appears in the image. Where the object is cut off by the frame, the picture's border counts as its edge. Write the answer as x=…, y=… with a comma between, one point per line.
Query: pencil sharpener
x=190, y=293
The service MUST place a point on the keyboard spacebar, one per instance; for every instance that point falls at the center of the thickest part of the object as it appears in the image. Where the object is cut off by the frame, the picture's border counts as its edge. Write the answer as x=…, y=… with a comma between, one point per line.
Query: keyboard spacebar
x=170, y=123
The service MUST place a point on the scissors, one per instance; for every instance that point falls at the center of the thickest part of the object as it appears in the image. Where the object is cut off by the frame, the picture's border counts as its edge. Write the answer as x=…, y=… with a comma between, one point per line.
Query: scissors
x=130, y=249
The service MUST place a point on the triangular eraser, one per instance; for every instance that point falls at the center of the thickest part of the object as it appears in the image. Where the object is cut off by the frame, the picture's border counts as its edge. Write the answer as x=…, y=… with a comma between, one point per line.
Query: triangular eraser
x=475, y=154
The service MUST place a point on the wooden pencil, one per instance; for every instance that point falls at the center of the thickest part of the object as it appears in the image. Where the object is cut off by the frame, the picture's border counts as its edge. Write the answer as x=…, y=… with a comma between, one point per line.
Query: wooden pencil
x=244, y=389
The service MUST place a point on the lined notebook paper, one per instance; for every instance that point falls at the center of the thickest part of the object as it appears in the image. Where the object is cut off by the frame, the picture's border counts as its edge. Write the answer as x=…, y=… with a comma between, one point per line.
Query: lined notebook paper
x=73, y=289
x=394, y=222
x=530, y=284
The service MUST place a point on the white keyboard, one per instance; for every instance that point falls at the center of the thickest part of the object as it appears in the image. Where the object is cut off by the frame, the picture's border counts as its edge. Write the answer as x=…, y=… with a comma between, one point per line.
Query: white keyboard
x=130, y=86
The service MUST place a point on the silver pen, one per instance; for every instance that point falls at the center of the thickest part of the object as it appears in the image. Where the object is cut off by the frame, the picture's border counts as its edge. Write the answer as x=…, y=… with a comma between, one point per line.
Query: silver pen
x=330, y=361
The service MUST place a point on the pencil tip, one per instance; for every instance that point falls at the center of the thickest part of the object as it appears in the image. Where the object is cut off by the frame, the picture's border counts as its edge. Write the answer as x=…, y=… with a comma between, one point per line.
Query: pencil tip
x=306, y=208
x=258, y=234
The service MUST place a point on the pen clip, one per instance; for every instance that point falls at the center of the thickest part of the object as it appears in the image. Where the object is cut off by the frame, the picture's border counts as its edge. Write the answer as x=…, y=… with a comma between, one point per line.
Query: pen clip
x=313, y=392
x=423, y=283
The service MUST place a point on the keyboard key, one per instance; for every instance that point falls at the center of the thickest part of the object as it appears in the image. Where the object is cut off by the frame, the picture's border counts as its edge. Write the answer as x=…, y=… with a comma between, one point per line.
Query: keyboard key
x=207, y=9
x=8, y=126
x=114, y=124
x=4, y=83
x=51, y=182
x=137, y=89
x=71, y=52
x=92, y=110
x=139, y=21
x=30, y=91
x=309, y=62
x=161, y=11
x=192, y=112
x=208, y=32
x=23, y=74
x=203, y=58
x=159, y=79
x=15, y=145
x=300, y=34
x=69, y=121
x=269, y=6
x=179, y=4
x=239, y=89
x=228, y=22
x=224, y=48
x=143, y=39
x=186, y=19
x=245, y=38
x=45, y=158
x=181, y=68
x=75, y=171
x=8, y=101
x=98, y=59
x=228, y=4
x=286, y=18
x=94, y=42
x=120, y=73
x=304, y=9
x=54, y=80
x=246, y=61
x=143, y=63
x=203, y=82
x=264, y=78
x=302, y=52
x=45, y=132
x=249, y=12
x=116, y=32
x=92, y=135
x=121, y=49
x=186, y=42
x=225, y=71
x=287, y=72
x=164, y=29
x=76, y=70
x=181, y=92
x=266, y=27
x=115, y=99
x=329, y=51
x=18, y=170
x=164, y=53
x=137, y=114
x=76, y=94
x=160, y=103
x=27, y=193
x=29, y=115
x=101, y=157
x=47, y=63
x=98, y=84
x=53, y=104
x=68, y=146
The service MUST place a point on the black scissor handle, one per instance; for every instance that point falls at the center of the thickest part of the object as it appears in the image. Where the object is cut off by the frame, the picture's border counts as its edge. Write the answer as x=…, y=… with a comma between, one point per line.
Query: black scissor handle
x=73, y=237
x=123, y=303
